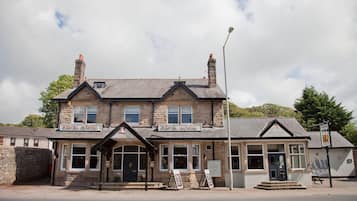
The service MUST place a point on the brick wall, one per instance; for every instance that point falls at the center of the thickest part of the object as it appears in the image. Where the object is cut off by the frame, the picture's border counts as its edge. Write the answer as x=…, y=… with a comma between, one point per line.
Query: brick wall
x=22, y=164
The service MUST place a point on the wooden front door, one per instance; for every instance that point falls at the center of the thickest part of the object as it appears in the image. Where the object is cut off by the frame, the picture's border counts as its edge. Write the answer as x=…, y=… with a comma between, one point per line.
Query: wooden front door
x=130, y=171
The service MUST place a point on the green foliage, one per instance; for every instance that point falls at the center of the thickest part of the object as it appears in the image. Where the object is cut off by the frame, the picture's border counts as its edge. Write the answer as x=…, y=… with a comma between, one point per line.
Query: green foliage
x=49, y=108
x=266, y=110
x=350, y=132
x=33, y=120
x=9, y=124
x=316, y=107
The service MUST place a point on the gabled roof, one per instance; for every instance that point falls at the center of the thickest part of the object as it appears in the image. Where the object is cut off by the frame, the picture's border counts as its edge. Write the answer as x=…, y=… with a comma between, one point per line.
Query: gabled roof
x=338, y=141
x=13, y=131
x=118, y=89
x=108, y=137
x=271, y=124
x=80, y=87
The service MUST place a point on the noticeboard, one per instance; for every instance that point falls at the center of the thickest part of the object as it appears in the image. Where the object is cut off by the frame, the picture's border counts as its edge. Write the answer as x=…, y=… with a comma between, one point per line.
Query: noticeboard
x=214, y=167
x=209, y=179
x=178, y=179
x=324, y=135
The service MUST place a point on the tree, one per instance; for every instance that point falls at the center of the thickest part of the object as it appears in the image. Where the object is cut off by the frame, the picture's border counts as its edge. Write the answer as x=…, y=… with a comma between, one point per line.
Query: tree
x=317, y=107
x=33, y=120
x=350, y=132
x=49, y=108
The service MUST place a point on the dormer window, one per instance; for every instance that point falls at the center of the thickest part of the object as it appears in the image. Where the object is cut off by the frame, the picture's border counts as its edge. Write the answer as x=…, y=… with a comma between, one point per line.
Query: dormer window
x=99, y=85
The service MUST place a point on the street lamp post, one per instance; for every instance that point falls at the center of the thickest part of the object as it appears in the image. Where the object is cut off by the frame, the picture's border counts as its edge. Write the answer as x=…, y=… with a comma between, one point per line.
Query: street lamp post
x=227, y=113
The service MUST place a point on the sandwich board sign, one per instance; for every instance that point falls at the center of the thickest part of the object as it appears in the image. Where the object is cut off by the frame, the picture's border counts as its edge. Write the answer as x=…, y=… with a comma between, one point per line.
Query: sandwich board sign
x=324, y=135
x=209, y=179
x=178, y=179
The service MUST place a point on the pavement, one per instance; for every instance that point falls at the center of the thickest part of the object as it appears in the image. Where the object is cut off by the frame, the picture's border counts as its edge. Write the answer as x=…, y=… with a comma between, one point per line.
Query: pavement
x=343, y=190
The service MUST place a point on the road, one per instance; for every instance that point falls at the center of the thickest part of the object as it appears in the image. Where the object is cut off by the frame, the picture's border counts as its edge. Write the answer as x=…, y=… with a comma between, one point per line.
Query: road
x=344, y=190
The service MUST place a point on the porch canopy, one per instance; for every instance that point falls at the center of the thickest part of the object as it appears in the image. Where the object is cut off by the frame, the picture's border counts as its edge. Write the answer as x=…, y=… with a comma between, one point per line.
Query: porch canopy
x=106, y=144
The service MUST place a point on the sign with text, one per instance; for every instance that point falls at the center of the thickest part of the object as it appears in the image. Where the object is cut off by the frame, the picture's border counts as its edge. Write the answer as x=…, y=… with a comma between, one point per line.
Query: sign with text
x=209, y=179
x=178, y=179
x=214, y=167
x=324, y=135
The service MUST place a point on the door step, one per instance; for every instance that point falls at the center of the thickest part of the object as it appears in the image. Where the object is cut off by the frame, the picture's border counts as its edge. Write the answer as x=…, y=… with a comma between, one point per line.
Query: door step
x=280, y=185
x=128, y=185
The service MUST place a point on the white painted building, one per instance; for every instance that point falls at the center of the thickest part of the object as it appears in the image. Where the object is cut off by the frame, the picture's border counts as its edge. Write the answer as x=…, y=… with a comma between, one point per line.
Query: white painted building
x=25, y=137
x=341, y=156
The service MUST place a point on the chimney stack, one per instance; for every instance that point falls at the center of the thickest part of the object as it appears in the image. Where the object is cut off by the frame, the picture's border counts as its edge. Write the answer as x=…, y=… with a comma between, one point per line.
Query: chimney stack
x=79, y=71
x=211, y=64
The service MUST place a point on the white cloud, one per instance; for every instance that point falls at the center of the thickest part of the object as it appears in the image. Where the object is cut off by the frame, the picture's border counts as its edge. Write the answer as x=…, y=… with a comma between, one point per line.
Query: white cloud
x=272, y=40
x=17, y=100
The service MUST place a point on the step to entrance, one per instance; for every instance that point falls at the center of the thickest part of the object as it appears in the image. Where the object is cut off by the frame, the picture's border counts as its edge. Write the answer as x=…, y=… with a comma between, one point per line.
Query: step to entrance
x=128, y=185
x=280, y=185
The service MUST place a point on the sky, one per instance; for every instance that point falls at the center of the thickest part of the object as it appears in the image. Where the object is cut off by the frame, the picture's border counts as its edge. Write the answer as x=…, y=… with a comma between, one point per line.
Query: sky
x=276, y=49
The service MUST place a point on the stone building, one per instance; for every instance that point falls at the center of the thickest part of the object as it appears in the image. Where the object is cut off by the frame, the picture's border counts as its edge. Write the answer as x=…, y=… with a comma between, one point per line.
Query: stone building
x=341, y=156
x=124, y=130
x=11, y=136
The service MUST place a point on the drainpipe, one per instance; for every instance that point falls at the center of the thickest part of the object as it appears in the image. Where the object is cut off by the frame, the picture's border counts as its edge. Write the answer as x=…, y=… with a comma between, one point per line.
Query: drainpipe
x=212, y=114
x=110, y=114
x=152, y=113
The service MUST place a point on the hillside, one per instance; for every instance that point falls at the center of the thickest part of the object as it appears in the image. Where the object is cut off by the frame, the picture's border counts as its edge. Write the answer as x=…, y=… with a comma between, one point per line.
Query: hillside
x=265, y=110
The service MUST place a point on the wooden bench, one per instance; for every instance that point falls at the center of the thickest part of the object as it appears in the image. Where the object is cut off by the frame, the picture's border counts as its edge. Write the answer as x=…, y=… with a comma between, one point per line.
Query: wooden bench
x=317, y=178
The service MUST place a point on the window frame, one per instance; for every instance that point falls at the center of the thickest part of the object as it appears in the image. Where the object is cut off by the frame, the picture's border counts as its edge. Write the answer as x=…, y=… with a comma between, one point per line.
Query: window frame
x=178, y=114
x=161, y=156
x=262, y=154
x=12, y=141
x=85, y=157
x=91, y=113
x=62, y=157
x=179, y=155
x=26, y=142
x=122, y=153
x=99, y=159
x=237, y=156
x=36, y=142
x=125, y=113
x=298, y=155
x=85, y=114
x=182, y=113
x=199, y=157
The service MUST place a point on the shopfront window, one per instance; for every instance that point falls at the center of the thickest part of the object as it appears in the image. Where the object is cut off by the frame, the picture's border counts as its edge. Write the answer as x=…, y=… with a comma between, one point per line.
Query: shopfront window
x=255, y=157
x=297, y=155
x=180, y=156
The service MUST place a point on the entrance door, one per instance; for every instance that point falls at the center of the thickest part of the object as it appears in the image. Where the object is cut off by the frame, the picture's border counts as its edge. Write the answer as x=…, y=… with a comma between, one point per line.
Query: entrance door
x=130, y=171
x=277, y=167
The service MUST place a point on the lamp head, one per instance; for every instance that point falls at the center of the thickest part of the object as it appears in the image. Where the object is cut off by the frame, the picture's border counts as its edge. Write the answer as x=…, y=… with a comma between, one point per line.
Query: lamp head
x=230, y=29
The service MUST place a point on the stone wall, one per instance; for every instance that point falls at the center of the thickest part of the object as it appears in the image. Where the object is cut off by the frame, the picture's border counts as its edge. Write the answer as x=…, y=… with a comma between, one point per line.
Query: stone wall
x=22, y=164
x=7, y=165
x=201, y=109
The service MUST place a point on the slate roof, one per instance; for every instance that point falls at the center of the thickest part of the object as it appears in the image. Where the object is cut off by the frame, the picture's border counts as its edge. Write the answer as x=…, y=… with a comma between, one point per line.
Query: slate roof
x=26, y=131
x=338, y=141
x=241, y=128
x=147, y=88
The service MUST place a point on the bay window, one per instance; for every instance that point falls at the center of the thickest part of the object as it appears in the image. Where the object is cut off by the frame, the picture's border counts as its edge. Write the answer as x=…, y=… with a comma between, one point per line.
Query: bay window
x=255, y=156
x=78, y=156
x=297, y=155
x=180, y=156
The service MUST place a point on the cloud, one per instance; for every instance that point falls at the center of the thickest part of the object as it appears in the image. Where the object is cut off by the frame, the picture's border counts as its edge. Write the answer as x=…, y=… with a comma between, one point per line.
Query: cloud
x=276, y=49
x=18, y=99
